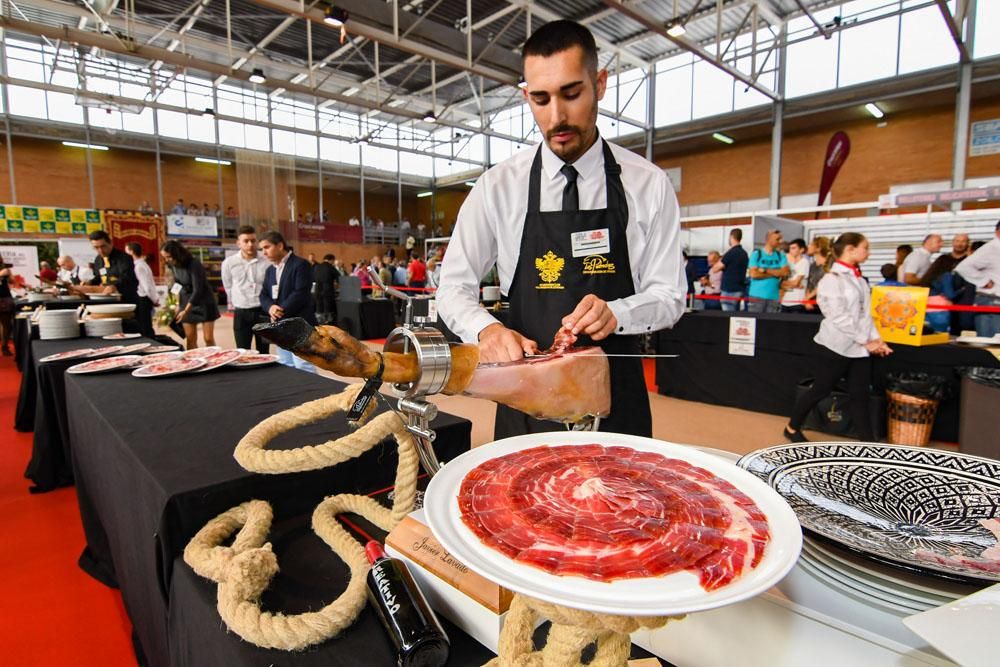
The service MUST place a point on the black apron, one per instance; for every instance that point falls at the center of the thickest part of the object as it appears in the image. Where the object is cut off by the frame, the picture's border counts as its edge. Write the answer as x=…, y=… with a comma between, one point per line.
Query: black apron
x=549, y=283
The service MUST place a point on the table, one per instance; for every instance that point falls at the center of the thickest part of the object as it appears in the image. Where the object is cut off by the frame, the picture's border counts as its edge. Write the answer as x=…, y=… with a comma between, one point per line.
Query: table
x=153, y=462
x=41, y=408
x=785, y=354
x=368, y=319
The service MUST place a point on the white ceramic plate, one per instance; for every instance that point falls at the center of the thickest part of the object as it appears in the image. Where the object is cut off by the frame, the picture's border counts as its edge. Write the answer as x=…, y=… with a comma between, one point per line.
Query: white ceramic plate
x=254, y=360
x=201, y=352
x=105, y=365
x=69, y=354
x=964, y=630
x=978, y=341
x=677, y=593
x=112, y=309
x=852, y=592
x=121, y=336
x=134, y=348
x=160, y=357
x=167, y=368
x=158, y=349
x=107, y=351
x=220, y=358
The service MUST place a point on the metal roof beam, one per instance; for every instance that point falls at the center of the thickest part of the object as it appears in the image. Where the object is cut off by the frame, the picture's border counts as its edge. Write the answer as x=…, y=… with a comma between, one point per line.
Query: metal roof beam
x=660, y=29
x=955, y=28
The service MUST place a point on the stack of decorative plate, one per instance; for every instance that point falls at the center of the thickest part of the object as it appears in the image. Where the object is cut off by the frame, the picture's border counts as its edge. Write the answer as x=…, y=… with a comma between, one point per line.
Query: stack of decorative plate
x=103, y=327
x=56, y=324
x=907, y=529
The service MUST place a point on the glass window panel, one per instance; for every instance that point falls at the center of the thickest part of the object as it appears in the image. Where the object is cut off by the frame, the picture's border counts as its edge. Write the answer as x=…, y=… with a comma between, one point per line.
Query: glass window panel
x=231, y=134
x=62, y=108
x=256, y=137
x=283, y=141
x=23, y=64
x=415, y=164
x=201, y=128
x=925, y=41
x=713, y=90
x=500, y=149
x=868, y=52
x=139, y=122
x=607, y=126
x=987, y=39
x=103, y=118
x=383, y=159
x=171, y=124
x=305, y=145
x=811, y=66
x=673, y=95
x=336, y=150
x=634, y=99
x=230, y=107
x=172, y=96
x=281, y=114
x=63, y=78
x=26, y=101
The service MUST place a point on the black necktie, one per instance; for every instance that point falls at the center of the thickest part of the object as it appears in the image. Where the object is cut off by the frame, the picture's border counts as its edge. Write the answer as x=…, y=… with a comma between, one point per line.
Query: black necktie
x=571, y=196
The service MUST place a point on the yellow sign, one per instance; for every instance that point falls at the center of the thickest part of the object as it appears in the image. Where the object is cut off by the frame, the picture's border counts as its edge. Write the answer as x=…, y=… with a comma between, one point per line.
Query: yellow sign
x=594, y=265
x=549, y=269
x=899, y=314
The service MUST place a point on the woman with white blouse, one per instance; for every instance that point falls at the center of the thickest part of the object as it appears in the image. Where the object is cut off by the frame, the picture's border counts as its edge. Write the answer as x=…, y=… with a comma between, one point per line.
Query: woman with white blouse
x=847, y=338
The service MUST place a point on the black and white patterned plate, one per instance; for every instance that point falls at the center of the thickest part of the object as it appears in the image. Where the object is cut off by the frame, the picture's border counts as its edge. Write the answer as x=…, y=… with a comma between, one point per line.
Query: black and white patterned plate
x=928, y=510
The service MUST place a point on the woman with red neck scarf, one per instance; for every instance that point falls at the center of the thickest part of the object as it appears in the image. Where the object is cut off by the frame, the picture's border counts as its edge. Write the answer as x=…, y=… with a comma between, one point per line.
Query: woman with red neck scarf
x=847, y=338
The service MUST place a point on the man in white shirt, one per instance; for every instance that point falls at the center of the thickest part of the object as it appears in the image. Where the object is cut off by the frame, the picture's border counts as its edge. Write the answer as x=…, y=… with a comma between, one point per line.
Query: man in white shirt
x=73, y=273
x=148, y=297
x=795, y=284
x=917, y=262
x=593, y=247
x=982, y=269
x=242, y=278
x=711, y=283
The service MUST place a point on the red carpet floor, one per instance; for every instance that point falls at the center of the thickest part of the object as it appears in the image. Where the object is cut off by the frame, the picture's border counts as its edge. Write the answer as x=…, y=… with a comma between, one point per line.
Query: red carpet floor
x=51, y=612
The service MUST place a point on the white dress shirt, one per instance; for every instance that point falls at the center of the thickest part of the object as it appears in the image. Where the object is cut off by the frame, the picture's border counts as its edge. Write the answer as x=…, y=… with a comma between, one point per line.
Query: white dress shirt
x=982, y=267
x=491, y=220
x=243, y=278
x=81, y=273
x=795, y=296
x=279, y=268
x=847, y=313
x=147, y=286
x=916, y=262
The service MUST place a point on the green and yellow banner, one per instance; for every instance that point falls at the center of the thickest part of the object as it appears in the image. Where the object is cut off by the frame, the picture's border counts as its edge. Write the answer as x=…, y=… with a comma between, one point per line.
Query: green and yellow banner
x=55, y=221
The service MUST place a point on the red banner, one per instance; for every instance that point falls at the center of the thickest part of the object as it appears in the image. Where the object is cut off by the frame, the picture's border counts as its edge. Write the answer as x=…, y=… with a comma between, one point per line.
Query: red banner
x=836, y=153
x=146, y=230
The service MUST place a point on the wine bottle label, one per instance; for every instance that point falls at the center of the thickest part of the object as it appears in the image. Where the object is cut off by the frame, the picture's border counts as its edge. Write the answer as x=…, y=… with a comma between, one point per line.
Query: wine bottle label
x=384, y=589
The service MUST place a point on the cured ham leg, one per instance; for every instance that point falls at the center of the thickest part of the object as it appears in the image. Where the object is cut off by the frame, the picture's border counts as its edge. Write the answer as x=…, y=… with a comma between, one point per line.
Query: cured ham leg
x=567, y=386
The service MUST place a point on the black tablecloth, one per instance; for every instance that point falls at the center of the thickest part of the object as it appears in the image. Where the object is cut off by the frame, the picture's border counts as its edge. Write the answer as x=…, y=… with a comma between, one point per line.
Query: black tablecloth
x=153, y=461
x=50, y=466
x=368, y=319
x=786, y=354
x=20, y=336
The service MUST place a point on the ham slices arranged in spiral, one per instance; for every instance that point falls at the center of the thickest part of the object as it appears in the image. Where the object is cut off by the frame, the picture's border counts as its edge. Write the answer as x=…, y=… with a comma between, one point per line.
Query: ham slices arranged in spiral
x=609, y=513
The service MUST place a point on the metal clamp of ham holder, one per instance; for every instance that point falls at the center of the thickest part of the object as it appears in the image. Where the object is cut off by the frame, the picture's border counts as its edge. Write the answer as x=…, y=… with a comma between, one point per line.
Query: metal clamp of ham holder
x=434, y=361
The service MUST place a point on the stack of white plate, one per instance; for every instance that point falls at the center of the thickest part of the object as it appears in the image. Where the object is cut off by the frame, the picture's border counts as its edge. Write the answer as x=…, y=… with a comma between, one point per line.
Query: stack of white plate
x=111, y=309
x=892, y=588
x=56, y=324
x=40, y=297
x=103, y=327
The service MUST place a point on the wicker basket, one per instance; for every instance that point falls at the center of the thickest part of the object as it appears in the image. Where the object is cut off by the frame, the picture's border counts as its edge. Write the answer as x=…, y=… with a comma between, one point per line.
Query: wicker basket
x=910, y=419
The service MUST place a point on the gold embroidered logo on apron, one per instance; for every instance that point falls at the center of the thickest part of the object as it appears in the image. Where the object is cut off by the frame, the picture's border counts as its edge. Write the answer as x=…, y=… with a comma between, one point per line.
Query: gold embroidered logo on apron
x=549, y=269
x=594, y=265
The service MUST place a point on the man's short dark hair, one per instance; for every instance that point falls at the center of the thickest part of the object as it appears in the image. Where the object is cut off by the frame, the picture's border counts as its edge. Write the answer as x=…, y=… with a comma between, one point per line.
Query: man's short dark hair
x=997, y=228
x=905, y=247
x=799, y=242
x=328, y=257
x=559, y=36
x=889, y=271
x=737, y=234
x=274, y=238
x=99, y=235
x=246, y=229
x=134, y=248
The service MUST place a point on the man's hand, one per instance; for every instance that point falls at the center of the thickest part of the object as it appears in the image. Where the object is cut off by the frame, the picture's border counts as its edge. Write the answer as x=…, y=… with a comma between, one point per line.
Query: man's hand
x=497, y=343
x=592, y=317
x=276, y=312
x=878, y=348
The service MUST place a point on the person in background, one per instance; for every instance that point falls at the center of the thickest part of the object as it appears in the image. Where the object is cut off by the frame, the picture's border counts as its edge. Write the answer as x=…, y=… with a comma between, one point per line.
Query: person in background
x=230, y=212
x=6, y=309
x=889, y=272
x=399, y=274
x=960, y=247
x=47, y=273
x=847, y=338
x=733, y=266
x=179, y=207
x=243, y=278
x=768, y=267
x=326, y=277
x=416, y=272
x=690, y=273
x=982, y=269
x=943, y=290
x=145, y=208
x=902, y=252
x=311, y=258
x=148, y=297
x=976, y=245
x=71, y=272
x=192, y=209
x=115, y=271
x=286, y=291
x=196, y=303
x=820, y=251
x=217, y=213
x=353, y=221
x=385, y=271
x=711, y=283
x=917, y=262
x=205, y=210
x=795, y=285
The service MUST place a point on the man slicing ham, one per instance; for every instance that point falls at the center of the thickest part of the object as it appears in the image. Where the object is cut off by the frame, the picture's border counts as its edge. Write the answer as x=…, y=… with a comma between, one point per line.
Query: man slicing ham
x=584, y=235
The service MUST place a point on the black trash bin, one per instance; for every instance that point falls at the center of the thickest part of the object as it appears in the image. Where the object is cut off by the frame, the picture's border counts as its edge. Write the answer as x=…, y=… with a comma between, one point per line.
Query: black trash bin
x=979, y=418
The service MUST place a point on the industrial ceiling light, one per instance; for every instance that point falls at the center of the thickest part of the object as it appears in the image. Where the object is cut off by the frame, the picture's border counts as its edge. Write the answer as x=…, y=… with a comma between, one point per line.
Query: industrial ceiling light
x=212, y=160
x=427, y=193
x=208, y=111
x=334, y=16
x=724, y=138
x=471, y=184
x=429, y=117
x=676, y=29
x=257, y=75
x=873, y=109
x=93, y=147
